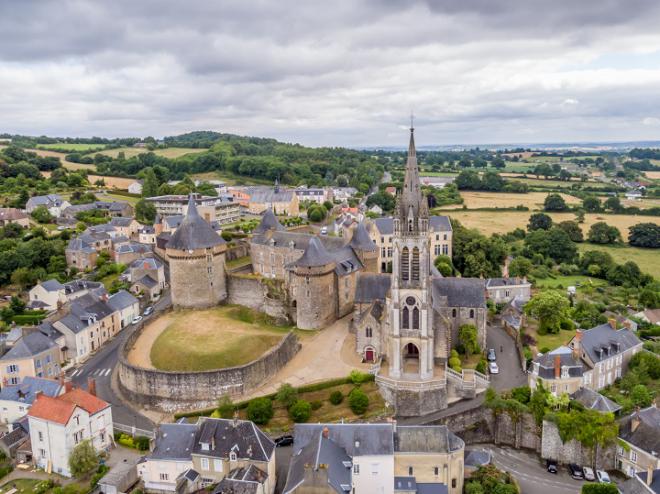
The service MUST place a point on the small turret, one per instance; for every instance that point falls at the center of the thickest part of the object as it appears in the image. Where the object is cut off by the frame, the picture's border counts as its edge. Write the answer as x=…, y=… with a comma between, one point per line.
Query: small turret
x=268, y=222
x=365, y=248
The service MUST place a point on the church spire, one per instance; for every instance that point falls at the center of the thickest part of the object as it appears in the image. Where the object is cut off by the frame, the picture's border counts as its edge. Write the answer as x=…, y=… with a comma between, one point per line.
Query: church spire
x=412, y=205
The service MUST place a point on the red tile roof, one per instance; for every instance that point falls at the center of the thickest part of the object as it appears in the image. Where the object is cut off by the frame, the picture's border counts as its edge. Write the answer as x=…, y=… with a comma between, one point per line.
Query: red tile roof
x=60, y=409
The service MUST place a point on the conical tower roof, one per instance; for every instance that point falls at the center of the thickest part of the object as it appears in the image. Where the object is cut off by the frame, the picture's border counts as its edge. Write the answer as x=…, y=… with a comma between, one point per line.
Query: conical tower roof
x=361, y=239
x=193, y=232
x=268, y=222
x=315, y=255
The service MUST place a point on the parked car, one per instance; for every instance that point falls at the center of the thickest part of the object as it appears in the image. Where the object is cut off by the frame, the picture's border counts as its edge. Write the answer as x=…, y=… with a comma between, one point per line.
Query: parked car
x=324, y=230
x=286, y=440
x=136, y=319
x=492, y=356
x=588, y=473
x=551, y=466
x=493, y=369
x=576, y=471
x=603, y=477
x=148, y=311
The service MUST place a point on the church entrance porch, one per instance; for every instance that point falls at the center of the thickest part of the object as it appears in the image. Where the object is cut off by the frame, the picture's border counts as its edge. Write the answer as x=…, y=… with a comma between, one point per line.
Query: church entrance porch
x=410, y=359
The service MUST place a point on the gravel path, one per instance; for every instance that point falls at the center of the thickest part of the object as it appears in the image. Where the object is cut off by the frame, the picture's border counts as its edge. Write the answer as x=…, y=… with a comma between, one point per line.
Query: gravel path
x=140, y=354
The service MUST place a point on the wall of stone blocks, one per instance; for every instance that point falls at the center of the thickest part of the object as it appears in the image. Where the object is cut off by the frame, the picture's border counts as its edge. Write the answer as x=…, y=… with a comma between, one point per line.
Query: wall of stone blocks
x=265, y=295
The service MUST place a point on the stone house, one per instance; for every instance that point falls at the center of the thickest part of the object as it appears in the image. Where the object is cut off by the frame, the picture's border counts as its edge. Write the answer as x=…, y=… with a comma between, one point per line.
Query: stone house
x=150, y=267
x=125, y=305
x=82, y=251
x=640, y=432
x=33, y=355
x=58, y=424
x=15, y=400
x=125, y=226
x=642, y=483
x=559, y=371
x=48, y=295
x=313, y=194
x=127, y=252
x=53, y=202
x=15, y=216
x=280, y=200
x=383, y=458
x=222, y=208
x=504, y=290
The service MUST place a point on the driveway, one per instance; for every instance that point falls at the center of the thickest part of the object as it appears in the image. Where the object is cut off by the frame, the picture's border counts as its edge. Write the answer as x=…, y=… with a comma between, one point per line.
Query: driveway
x=511, y=374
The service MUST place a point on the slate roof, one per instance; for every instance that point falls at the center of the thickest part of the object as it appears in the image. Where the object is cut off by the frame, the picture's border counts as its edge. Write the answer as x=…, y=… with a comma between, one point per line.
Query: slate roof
x=121, y=221
x=477, y=458
x=193, y=232
x=78, y=285
x=647, y=434
x=595, y=401
x=26, y=391
x=52, y=285
x=12, y=214
x=268, y=222
x=295, y=240
x=436, y=224
x=174, y=220
x=29, y=345
x=121, y=300
x=147, y=281
x=148, y=263
x=460, y=292
x=361, y=239
x=600, y=343
x=371, y=287
x=315, y=255
x=655, y=481
x=174, y=442
x=46, y=328
x=356, y=439
x=264, y=194
x=47, y=200
x=243, y=480
x=242, y=436
x=426, y=439
x=566, y=358
x=129, y=247
x=347, y=261
x=497, y=282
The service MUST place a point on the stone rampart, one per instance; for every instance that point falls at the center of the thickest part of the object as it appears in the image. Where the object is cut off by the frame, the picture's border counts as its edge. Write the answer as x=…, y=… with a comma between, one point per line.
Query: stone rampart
x=174, y=391
x=263, y=294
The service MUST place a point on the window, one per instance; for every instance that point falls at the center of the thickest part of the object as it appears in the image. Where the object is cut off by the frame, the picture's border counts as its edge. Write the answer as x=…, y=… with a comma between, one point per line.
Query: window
x=453, y=313
x=405, y=264
x=437, y=237
x=205, y=463
x=445, y=249
x=406, y=318
x=410, y=471
x=102, y=436
x=217, y=465
x=435, y=471
x=356, y=469
x=382, y=251
x=368, y=332
x=471, y=313
x=37, y=363
x=444, y=237
x=42, y=453
x=415, y=264
x=436, y=250
x=41, y=437
x=415, y=322
x=164, y=477
x=11, y=369
x=389, y=252
x=77, y=419
x=453, y=483
x=633, y=456
x=232, y=456
x=13, y=380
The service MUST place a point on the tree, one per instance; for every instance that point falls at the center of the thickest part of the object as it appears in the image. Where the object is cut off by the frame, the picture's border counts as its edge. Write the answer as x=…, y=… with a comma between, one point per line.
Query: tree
x=17, y=305
x=554, y=243
x=649, y=298
x=260, y=410
x=225, y=407
x=520, y=266
x=613, y=204
x=316, y=213
x=358, y=401
x=336, y=397
x=383, y=199
x=591, y=204
x=550, y=308
x=300, y=411
x=587, y=315
x=625, y=274
x=645, y=235
x=41, y=214
x=554, y=202
x=602, y=233
x=286, y=395
x=573, y=229
x=444, y=265
x=83, y=459
x=599, y=489
x=539, y=221
x=150, y=185
x=467, y=335
x=641, y=396
x=145, y=211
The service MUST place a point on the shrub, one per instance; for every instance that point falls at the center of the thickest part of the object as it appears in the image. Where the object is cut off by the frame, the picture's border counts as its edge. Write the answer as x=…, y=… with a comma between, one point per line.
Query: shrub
x=358, y=377
x=83, y=458
x=300, y=411
x=260, y=410
x=141, y=443
x=358, y=401
x=482, y=366
x=5, y=470
x=599, y=489
x=316, y=404
x=287, y=395
x=521, y=394
x=225, y=407
x=336, y=397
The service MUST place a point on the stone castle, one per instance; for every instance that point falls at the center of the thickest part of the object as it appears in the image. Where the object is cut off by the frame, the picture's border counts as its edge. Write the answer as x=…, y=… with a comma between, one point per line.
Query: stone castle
x=406, y=322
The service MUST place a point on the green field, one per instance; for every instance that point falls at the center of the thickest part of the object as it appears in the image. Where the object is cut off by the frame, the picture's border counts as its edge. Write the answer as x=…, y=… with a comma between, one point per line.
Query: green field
x=171, y=153
x=566, y=281
x=71, y=147
x=647, y=259
x=212, y=339
x=556, y=183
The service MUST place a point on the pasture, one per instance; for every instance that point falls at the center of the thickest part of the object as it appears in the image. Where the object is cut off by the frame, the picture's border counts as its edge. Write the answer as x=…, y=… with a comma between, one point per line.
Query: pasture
x=72, y=147
x=171, y=153
x=532, y=200
x=646, y=259
x=112, y=182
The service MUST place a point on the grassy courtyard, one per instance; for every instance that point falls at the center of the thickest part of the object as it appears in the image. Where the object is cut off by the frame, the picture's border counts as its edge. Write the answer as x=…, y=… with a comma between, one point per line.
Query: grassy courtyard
x=215, y=338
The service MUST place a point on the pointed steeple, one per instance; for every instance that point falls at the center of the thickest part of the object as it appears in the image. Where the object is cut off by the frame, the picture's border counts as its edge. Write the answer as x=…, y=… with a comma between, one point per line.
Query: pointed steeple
x=192, y=206
x=194, y=232
x=412, y=204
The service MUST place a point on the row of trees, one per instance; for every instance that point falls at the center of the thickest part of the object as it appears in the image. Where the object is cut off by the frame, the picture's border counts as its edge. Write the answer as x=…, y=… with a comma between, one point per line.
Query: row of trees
x=491, y=181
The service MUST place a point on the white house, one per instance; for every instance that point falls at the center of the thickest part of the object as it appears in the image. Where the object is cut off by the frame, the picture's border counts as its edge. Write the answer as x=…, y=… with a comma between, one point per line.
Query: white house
x=53, y=202
x=59, y=424
x=135, y=187
x=47, y=295
x=15, y=401
x=126, y=305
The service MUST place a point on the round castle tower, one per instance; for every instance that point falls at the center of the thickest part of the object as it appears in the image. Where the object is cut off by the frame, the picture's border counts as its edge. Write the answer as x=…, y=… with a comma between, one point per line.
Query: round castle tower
x=313, y=277
x=197, y=262
x=365, y=248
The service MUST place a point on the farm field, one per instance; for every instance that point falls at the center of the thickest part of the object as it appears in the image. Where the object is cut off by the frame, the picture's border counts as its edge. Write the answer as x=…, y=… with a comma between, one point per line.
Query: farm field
x=646, y=259
x=66, y=164
x=653, y=175
x=211, y=339
x=541, y=182
x=566, y=281
x=114, y=182
x=230, y=179
x=532, y=200
x=71, y=146
x=489, y=222
x=171, y=153
x=642, y=203
x=118, y=197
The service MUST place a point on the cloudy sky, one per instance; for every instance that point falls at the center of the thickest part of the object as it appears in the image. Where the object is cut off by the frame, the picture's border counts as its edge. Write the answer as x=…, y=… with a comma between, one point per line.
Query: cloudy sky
x=334, y=72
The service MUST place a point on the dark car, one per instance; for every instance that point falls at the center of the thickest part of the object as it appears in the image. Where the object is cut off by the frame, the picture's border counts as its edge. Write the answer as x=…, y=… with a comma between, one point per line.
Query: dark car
x=286, y=440
x=576, y=471
x=551, y=466
x=492, y=357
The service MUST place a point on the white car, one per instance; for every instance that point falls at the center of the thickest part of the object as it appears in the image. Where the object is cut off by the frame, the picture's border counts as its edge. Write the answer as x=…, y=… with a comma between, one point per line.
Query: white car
x=492, y=368
x=588, y=473
x=136, y=319
x=603, y=477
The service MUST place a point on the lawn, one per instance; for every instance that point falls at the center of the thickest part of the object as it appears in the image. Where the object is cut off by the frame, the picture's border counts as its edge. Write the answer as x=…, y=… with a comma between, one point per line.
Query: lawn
x=171, y=153
x=239, y=262
x=647, y=259
x=214, y=338
x=566, y=281
x=231, y=179
x=72, y=147
x=550, y=341
x=532, y=200
x=534, y=182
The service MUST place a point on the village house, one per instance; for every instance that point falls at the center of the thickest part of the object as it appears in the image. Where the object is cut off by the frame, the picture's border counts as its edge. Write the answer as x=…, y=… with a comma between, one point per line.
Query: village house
x=14, y=216
x=146, y=275
x=135, y=187
x=222, y=208
x=343, y=194
x=126, y=306
x=33, y=355
x=47, y=295
x=147, y=235
x=504, y=290
x=58, y=424
x=125, y=226
x=15, y=400
x=313, y=194
x=640, y=434
x=82, y=251
x=53, y=202
x=112, y=209
x=383, y=458
x=127, y=252
x=279, y=199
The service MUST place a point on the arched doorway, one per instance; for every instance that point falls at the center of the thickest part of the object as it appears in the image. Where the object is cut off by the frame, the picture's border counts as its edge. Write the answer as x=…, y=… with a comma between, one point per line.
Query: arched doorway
x=411, y=359
x=369, y=355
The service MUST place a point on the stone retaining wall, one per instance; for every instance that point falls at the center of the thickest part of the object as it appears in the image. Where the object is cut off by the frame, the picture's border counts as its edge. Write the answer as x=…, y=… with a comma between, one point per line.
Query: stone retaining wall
x=174, y=391
x=572, y=451
x=263, y=294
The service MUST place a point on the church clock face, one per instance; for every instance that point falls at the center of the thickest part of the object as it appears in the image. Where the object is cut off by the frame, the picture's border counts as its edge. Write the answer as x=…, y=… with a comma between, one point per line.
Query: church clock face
x=410, y=301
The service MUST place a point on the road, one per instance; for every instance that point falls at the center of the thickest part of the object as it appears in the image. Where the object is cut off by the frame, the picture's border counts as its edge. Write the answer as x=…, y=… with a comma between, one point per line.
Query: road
x=530, y=473
x=101, y=365
x=511, y=374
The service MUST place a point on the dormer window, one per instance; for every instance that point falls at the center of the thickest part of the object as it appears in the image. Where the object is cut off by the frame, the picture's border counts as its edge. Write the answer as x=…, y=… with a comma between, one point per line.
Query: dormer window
x=232, y=456
x=564, y=372
x=205, y=446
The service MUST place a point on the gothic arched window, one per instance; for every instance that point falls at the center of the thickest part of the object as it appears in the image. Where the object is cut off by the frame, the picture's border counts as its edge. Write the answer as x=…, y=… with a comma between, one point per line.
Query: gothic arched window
x=406, y=318
x=415, y=320
x=415, y=264
x=471, y=313
x=453, y=313
x=405, y=264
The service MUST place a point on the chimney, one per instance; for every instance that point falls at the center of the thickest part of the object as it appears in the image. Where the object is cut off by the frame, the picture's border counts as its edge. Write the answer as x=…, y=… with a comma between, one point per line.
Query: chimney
x=91, y=386
x=634, y=423
x=68, y=386
x=627, y=325
x=557, y=366
x=612, y=322
x=649, y=475
x=577, y=344
x=326, y=432
x=235, y=421
x=37, y=394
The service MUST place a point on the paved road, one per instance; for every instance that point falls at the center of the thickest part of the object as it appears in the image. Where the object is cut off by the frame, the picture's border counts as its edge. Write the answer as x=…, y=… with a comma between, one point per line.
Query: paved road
x=101, y=366
x=530, y=472
x=511, y=374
